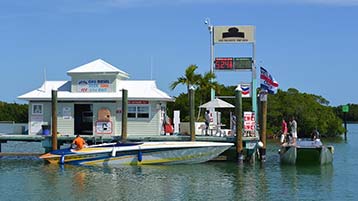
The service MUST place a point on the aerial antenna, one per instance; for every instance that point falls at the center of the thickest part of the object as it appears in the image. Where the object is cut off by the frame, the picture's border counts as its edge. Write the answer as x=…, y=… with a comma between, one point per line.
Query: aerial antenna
x=151, y=67
x=45, y=78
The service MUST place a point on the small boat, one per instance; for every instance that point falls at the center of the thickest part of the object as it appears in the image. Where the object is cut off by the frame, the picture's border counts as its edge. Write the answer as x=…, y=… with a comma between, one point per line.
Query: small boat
x=306, y=151
x=139, y=153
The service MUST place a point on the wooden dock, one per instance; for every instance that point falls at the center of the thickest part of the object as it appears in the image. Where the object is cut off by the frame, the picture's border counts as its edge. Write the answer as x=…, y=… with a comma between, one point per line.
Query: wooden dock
x=21, y=154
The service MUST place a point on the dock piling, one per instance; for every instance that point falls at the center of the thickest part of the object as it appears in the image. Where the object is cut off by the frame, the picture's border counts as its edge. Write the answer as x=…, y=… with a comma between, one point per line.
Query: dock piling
x=124, y=114
x=238, y=114
x=191, y=105
x=54, y=119
x=263, y=118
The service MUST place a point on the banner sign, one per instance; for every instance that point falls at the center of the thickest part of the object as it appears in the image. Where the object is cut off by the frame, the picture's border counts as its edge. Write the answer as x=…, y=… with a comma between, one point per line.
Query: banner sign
x=234, y=34
x=93, y=86
x=139, y=102
x=249, y=121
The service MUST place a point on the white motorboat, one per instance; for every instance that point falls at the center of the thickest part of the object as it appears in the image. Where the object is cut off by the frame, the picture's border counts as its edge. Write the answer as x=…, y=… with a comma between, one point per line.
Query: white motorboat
x=139, y=153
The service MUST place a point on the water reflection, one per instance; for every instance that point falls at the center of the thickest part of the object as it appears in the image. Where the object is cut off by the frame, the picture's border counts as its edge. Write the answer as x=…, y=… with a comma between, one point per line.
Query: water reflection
x=28, y=178
x=216, y=181
x=306, y=182
x=180, y=182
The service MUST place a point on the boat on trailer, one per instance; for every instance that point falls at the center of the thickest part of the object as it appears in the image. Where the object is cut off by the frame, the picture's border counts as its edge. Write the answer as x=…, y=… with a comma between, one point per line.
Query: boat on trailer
x=139, y=153
x=306, y=151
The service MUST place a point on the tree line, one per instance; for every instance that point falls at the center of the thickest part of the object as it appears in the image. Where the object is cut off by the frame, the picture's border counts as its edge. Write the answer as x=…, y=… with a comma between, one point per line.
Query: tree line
x=351, y=116
x=310, y=111
x=14, y=112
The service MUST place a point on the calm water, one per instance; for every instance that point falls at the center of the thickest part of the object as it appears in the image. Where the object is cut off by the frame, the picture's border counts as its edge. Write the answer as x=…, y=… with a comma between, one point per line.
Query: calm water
x=31, y=179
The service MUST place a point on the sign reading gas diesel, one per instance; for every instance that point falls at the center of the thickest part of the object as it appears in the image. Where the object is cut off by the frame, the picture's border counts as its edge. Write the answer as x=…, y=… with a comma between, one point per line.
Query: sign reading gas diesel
x=234, y=34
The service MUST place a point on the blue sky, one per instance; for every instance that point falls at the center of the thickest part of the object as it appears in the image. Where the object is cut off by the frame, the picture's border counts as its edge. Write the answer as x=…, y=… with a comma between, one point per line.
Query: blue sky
x=310, y=45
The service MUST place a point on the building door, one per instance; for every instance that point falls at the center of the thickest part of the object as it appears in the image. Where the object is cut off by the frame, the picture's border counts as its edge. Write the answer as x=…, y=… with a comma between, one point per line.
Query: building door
x=83, y=119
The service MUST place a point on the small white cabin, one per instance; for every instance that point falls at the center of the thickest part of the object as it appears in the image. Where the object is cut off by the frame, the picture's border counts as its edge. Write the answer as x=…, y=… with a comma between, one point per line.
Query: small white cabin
x=91, y=103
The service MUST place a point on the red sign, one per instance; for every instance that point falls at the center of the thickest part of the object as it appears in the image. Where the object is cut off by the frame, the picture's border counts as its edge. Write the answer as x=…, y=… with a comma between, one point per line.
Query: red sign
x=231, y=63
x=223, y=63
x=140, y=102
x=249, y=121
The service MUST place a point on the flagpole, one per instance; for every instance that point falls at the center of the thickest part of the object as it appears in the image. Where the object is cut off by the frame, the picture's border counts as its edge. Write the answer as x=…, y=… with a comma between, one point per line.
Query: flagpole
x=254, y=80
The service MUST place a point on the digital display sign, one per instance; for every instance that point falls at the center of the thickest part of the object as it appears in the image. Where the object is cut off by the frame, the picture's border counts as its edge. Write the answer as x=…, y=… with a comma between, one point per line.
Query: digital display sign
x=224, y=63
x=231, y=63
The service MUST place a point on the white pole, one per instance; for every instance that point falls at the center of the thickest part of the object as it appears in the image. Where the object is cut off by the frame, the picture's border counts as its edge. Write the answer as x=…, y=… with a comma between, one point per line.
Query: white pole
x=211, y=29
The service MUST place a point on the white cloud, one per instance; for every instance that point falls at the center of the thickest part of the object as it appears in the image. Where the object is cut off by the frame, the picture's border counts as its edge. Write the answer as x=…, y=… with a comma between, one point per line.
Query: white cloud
x=328, y=2
x=141, y=3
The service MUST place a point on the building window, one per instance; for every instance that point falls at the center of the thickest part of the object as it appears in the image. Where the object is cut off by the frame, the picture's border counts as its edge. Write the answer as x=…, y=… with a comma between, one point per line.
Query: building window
x=143, y=111
x=138, y=112
x=37, y=109
x=132, y=112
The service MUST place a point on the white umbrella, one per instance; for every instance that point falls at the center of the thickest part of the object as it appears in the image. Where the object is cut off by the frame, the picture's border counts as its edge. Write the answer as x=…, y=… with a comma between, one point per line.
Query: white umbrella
x=216, y=103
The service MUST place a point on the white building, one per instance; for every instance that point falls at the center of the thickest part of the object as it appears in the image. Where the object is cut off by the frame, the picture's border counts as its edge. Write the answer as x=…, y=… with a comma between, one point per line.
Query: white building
x=91, y=103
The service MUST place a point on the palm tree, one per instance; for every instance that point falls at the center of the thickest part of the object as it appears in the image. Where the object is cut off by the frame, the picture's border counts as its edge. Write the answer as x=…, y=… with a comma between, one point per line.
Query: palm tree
x=190, y=78
x=206, y=83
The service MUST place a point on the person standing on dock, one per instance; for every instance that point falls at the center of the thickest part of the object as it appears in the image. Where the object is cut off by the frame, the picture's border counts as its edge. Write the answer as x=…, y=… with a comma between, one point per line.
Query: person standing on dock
x=207, y=121
x=79, y=142
x=284, y=131
x=293, y=125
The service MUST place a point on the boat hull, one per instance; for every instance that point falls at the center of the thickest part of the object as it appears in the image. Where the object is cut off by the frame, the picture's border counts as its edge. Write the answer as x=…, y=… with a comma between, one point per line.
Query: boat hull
x=305, y=153
x=146, y=153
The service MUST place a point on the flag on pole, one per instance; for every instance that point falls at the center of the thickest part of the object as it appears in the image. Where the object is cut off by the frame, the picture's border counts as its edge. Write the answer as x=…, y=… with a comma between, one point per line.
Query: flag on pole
x=267, y=81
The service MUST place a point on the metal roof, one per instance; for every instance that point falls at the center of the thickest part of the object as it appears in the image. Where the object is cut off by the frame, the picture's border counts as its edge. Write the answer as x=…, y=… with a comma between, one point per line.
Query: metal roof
x=98, y=66
x=136, y=90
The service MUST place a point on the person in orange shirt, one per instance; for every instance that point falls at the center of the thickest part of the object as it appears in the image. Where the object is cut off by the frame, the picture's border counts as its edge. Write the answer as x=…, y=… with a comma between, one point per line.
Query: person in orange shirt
x=79, y=142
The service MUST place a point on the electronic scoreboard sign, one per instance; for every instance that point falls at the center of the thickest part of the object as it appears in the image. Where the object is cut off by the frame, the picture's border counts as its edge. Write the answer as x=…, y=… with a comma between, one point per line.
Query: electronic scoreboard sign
x=233, y=63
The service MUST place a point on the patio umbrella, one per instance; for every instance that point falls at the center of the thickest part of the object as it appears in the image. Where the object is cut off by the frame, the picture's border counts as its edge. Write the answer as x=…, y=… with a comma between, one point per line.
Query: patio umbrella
x=216, y=103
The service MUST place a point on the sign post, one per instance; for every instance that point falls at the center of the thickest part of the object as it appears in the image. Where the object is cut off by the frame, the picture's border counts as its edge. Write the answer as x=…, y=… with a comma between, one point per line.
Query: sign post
x=345, y=110
x=236, y=35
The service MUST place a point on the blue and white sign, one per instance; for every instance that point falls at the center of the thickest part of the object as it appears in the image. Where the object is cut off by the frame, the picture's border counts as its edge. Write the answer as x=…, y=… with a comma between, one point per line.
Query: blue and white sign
x=245, y=89
x=99, y=85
